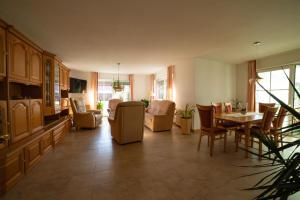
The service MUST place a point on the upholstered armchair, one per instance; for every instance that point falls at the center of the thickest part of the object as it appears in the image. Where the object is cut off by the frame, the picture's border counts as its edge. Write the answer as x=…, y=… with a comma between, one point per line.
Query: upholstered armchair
x=159, y=116
x=127, y=124
x=83, y=118
x=112, y=105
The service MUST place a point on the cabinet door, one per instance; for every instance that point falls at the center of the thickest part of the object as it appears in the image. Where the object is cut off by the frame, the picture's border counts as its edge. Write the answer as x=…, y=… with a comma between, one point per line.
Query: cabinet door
x=2, y=53
x=33, y=154
x=19, y=114
x=66, y=79
x=18, y=59
x=61, y=77
x=35, y=66
x=3, y=122
x=36, y=114
x=46, y=142
x=11, y=170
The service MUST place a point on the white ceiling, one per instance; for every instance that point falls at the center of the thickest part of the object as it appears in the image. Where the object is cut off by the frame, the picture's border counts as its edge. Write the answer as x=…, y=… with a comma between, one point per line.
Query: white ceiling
x=145, y=35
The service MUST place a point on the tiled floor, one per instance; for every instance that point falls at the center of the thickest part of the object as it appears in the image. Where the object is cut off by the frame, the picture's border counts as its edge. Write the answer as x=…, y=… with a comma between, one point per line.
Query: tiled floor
x=89, y=165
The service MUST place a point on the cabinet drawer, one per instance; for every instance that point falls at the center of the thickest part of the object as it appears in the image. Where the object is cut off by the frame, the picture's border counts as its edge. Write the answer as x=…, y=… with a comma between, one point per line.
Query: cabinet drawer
x=11, y=170
x=32, y=154
x=58, y=134
x=46, y=142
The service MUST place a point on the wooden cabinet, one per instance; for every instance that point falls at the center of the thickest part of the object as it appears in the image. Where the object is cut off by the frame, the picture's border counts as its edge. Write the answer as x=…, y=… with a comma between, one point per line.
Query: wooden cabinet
x=18, y=69
x=11, y=170
x=2, y=52
x=33, y=154
x=51, y=85
x=46, y=142
x=58, y=134
x=64, y=77
x=36, y=114
x=3, y=122
x=35, y=66
x=19, y=115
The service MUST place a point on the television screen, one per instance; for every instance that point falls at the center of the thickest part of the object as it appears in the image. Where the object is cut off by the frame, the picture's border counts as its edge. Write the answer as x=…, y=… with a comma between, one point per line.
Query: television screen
x=77, y=85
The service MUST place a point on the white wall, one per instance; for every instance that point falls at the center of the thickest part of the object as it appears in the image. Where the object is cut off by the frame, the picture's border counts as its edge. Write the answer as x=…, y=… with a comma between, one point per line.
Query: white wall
x=242, y=82
x=200, y=81
x=141, y=89
x=84, y=76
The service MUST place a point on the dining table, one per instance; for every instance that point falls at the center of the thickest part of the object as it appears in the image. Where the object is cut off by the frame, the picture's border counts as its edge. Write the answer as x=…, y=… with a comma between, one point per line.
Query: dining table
x=245, y=119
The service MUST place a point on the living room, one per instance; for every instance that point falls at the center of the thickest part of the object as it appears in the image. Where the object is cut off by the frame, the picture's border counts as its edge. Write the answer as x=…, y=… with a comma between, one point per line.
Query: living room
x=114, y=100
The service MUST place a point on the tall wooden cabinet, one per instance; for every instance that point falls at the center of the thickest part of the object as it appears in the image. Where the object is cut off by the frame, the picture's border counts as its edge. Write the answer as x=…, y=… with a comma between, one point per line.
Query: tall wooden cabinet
x=35, y=66
x=18, y=69
x=19, y=117
x=2, y=52
x=51, y=84
x=36, y=114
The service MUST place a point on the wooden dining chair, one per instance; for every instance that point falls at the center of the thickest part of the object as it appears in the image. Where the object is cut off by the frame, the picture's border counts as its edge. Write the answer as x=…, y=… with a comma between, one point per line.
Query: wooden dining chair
x=206, y=114
x=263, y=127
x=218, y=109
x=262, y=106
x=277, y=125
x=228, y=107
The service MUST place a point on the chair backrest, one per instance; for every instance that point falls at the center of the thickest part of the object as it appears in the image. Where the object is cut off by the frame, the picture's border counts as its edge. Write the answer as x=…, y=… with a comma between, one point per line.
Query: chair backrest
x=268, y=117
x=217, y=108
x=112, y=103
x=206, y=114
x=161, y=107
x=278, y=121
x=228, y=107
x=73, y=106
x=262, y=106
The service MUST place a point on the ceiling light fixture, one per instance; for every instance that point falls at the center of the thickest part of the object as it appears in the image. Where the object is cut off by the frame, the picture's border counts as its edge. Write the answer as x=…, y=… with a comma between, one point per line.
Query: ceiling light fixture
x=117, y=86
x=257, y=43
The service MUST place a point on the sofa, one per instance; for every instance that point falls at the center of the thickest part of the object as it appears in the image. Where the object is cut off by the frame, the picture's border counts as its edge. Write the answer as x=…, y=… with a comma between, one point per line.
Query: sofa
x=112, y=105
x=127, y=124
x=83, y=118
x=159, y=116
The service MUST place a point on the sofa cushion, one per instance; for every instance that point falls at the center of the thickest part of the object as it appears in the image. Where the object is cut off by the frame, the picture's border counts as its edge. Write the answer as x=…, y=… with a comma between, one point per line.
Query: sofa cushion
x=80, y=105
x=158, y=107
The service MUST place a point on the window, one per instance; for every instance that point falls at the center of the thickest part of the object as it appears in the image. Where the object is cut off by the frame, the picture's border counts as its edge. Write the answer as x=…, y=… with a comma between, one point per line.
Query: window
x=276, y=82
x=161, y=84
x=297, y=85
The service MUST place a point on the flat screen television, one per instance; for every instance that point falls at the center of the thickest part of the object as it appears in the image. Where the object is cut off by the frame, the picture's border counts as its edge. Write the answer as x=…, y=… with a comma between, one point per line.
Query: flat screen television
x=77, y=85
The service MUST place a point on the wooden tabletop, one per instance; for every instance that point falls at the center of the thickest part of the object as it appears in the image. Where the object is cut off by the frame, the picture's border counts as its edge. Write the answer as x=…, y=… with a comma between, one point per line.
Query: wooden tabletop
x=240, y=118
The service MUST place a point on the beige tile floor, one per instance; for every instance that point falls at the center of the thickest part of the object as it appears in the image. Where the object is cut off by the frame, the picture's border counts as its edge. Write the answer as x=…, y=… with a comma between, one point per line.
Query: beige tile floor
x=89, y=165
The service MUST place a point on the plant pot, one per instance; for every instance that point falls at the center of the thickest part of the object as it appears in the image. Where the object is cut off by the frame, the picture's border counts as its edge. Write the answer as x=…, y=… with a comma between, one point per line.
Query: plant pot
x=186, y=125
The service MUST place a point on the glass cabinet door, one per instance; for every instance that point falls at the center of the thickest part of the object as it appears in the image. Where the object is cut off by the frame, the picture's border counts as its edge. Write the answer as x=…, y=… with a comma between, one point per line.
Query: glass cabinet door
x=48, y=101
x=56, y=89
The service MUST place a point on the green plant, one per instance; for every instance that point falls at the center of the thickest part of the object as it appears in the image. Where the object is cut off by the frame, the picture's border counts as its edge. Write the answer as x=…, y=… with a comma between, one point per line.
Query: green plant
x=187, y=113
x=282, y=170
x=146, y=102
x=100, y=105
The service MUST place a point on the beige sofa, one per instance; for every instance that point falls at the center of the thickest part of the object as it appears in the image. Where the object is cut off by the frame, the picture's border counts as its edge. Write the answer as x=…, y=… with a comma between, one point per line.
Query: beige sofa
x=127, y=124
x=159, y=116
x=83, y=118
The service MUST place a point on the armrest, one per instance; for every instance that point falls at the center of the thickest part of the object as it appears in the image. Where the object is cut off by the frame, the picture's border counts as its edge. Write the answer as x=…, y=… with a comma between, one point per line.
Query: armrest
x=86, y=116
x=94, y=111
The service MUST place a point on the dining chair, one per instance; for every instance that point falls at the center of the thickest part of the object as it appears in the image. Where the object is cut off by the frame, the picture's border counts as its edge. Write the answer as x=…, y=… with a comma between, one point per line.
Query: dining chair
x=217, y=108
x=206, y=114
x=263, y=127
x=228, y=107
x=262, y=106
x=277, y=125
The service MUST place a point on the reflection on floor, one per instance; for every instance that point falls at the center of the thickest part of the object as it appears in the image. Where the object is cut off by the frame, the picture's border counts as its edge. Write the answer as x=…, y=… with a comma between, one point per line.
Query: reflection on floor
x=166, y=165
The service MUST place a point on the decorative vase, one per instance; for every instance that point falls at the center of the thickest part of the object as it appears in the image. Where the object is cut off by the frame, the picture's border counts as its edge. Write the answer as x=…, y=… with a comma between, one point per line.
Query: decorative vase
x=186, y=125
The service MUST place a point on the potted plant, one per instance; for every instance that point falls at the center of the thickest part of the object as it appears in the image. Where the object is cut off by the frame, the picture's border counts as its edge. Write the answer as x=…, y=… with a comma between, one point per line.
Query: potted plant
x=146, y=102
x=100, y=105
x=186, y=119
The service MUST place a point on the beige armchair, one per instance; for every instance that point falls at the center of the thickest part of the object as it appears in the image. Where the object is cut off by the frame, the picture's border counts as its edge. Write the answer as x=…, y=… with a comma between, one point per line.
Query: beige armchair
x=112, y=105
x=159, y=116
x=83, y=118
x=127, y=125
